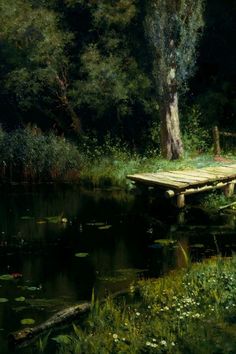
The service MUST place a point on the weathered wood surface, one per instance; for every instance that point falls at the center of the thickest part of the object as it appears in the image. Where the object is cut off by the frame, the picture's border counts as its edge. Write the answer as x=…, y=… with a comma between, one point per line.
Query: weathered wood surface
x=185, y=182
x=63, y=316
x=182, y=179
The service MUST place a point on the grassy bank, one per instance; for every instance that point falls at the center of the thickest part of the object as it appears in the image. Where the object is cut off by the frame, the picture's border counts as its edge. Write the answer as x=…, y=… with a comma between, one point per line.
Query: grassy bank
x=30, y=156
x=188, y=311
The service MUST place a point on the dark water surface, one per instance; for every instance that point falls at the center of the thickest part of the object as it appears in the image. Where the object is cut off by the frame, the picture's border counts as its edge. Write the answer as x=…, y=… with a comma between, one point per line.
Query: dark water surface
x=113, y=232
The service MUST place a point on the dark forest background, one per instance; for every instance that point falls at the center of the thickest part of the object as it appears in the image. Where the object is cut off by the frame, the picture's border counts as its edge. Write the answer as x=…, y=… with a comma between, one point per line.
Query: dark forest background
x=71, y=65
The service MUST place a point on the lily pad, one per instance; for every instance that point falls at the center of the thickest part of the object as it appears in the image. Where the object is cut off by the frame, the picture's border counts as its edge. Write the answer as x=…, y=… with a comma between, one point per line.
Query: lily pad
x=41, y=222
x=6, y=277
x=106, y=227
x=3, y=299
x=113, y=279
x=95, y=224
x=20, y=299
x=32, y=288
x=53, y=219
x=27, y=321
x=27, y=217
x=81, y=255
x=197, y=245
x=165, y=242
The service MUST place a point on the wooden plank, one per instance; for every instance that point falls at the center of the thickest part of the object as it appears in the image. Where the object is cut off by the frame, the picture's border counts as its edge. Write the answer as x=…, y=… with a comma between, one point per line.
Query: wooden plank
x=183, y=179
x=161, y=177
x=191, y=178
x=219, y=173
x=214, y=176
x=173, y=177
x=153, y=180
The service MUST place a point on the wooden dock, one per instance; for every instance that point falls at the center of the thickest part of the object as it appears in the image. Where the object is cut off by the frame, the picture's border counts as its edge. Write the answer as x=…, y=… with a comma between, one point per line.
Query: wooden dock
x=178, y=184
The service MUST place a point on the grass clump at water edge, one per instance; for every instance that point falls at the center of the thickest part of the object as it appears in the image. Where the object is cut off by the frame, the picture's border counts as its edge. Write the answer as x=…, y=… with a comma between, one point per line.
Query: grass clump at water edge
x=188, y=311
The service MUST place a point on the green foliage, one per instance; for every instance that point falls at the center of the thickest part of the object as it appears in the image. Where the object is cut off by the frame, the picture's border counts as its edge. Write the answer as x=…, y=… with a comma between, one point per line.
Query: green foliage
x=184, y=311
x=28, y=154
x=113, y=81
x=196, y=136
x=36, y=74
x=173, y=29
x=214, y=201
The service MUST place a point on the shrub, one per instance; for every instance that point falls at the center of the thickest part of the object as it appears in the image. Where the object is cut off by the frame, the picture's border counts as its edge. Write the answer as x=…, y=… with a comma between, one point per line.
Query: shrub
x=195, y=136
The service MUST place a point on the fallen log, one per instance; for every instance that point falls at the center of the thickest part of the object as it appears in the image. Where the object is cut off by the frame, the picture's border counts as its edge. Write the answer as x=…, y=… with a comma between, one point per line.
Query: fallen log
x=60, y=318
x=27, y=335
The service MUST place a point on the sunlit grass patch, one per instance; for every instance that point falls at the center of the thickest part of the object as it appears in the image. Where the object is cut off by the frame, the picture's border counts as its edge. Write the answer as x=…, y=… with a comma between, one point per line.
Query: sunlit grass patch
x=188, y=311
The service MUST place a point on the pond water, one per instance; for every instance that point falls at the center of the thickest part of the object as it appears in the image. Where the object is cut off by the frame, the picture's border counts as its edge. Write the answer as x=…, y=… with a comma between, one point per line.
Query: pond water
x=58, y=243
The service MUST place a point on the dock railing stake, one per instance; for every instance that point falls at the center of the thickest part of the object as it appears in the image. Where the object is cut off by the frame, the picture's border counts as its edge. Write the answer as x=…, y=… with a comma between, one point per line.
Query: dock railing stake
x=216, y=141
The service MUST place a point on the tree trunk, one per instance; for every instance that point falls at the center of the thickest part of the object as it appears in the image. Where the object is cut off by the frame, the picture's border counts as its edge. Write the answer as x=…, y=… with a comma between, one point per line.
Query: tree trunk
x=171, y=142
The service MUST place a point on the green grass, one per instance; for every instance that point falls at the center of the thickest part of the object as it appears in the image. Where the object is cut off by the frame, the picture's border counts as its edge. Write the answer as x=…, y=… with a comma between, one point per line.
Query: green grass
x=188, y=311
x=30, y=156
x=112, y=169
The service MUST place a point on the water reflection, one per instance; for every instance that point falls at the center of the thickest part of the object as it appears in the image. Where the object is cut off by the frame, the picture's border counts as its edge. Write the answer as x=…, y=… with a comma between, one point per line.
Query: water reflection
x=120, y=232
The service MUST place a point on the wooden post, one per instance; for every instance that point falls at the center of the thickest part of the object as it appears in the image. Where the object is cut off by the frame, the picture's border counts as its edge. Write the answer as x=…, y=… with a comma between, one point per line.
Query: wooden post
x=216, y=141
x=181, y=201
x=229, y=189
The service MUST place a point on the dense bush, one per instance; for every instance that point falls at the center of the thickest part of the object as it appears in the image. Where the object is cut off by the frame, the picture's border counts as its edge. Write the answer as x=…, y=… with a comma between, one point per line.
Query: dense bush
x=29, y=155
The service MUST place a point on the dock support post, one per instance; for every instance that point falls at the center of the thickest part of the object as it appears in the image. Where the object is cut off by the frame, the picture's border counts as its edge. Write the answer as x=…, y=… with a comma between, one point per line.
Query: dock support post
x=180, y=201
x=229, y=189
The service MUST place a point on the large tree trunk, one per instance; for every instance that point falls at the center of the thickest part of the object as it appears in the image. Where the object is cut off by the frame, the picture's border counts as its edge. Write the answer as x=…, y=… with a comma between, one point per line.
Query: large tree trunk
x=171, y=142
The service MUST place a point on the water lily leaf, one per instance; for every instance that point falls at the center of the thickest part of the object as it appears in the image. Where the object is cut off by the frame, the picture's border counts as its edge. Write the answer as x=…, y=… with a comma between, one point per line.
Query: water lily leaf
x=32, y=288
x=95, y=224
x=53, y=219
x=197, y=245
x=155, y=246
x=165, y=242
x=27, y=321
x=131, y=271
x=20, y=299
x=6, y=277
x=41, y=222
x=115, y=279
x=81, y=255
x=62, y=339
x=106, y=227
x=3, y=299
x=27, y=217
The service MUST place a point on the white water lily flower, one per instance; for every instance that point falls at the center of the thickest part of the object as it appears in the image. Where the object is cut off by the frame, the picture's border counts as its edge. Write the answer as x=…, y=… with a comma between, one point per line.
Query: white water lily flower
x=163, y=342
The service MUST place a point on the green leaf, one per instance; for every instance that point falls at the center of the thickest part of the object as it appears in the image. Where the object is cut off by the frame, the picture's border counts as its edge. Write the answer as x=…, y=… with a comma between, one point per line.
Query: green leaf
x=53, y=219
x=106, y=227
x=62, y=339
x=6, y=277
x=27, y=321
x=81, y=255
x=95, y=224
x=197, y=245
x=27, y=218
x=20, y=299
x=32, y=288
x=3, y=299
x=165, y=242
